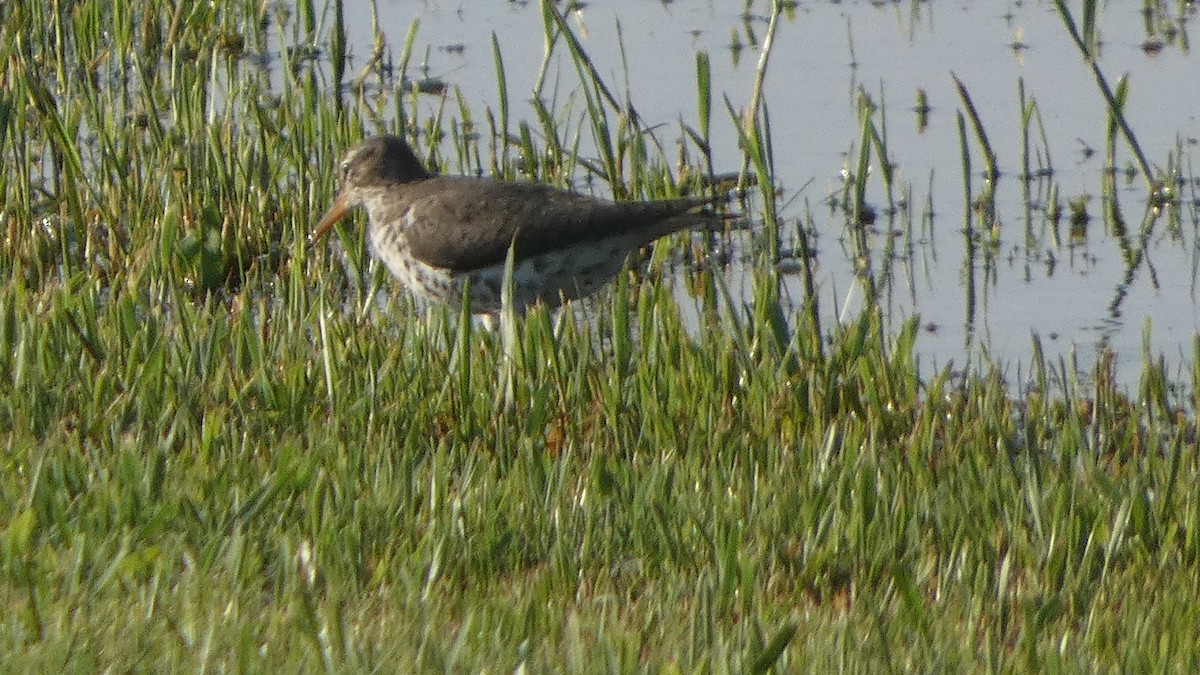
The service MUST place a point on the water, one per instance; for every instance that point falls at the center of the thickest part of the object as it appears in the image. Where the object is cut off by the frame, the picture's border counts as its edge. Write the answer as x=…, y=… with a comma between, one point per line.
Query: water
x=1079, y=294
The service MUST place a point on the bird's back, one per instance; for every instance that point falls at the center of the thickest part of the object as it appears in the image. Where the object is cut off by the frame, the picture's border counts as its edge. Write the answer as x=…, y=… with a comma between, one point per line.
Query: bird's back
x=461, y=224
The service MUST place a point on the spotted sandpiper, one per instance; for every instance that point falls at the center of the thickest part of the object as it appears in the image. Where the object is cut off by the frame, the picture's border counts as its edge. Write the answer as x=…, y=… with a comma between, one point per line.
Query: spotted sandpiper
x=437, y=233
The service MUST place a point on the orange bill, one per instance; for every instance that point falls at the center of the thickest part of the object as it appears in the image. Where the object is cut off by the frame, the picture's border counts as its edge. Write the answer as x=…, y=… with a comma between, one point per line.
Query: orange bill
x=336, y=212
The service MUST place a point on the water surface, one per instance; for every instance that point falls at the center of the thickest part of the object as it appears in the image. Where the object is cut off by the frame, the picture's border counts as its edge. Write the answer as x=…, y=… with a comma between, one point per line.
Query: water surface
x=1075, y=290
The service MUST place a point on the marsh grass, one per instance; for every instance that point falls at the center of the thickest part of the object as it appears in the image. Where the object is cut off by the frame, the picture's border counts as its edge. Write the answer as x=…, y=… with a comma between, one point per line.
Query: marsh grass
x=224, y=449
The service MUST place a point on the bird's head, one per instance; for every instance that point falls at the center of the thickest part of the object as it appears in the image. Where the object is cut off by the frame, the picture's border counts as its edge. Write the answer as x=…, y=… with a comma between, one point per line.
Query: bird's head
x=379, y=162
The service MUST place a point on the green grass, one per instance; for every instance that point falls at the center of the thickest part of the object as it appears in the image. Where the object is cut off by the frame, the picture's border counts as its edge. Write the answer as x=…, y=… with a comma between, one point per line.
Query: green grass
x=221, y=451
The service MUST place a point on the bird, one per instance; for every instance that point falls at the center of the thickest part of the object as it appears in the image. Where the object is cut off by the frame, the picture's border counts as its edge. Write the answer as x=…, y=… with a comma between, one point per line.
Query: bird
x=438, y=233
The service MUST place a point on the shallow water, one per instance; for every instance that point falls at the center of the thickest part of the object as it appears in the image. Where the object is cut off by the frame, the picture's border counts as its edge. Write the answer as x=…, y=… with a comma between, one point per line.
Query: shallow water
x=1074, y=290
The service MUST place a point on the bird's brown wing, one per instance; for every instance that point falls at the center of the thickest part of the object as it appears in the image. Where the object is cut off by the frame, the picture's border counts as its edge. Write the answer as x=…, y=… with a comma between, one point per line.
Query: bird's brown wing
x=463, y=224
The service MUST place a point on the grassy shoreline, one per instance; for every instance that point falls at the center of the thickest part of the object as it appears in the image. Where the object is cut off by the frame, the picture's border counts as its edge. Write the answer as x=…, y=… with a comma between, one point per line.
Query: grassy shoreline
x=221, y=453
